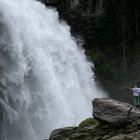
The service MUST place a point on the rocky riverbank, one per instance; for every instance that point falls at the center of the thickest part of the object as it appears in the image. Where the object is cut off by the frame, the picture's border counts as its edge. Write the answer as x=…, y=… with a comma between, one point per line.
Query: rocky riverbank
x=112, y=120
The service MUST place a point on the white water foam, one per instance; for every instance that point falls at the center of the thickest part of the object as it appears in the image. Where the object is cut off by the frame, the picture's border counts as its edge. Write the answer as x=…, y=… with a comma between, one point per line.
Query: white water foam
x=49, y=83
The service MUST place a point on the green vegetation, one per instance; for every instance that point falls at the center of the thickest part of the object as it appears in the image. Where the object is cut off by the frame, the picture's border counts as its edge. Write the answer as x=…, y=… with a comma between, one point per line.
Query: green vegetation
x=92, y=129
x=87, y=123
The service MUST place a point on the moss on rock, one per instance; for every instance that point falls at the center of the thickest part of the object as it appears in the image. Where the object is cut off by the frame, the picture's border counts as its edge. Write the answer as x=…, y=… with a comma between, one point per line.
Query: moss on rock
x=91, y=129
x=88, y=122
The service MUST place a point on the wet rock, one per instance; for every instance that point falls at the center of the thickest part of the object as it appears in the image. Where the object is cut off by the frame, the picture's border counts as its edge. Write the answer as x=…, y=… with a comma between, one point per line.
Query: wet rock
x=114, y=112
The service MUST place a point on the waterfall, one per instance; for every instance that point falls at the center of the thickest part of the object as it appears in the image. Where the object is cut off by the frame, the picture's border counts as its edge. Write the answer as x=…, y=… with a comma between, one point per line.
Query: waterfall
x=46, y=81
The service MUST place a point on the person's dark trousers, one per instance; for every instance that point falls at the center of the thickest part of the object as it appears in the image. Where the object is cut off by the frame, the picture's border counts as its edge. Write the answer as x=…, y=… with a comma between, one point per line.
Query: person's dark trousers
x=136, y=100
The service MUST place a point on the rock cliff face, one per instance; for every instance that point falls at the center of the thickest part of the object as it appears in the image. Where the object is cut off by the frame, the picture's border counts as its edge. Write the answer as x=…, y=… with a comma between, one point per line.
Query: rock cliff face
x=112, y=120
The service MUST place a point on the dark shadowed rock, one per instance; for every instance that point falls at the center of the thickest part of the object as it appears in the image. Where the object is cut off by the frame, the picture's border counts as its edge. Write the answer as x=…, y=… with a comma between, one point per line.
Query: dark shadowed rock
x=123, y=137
x=135, y=134
x=114, y=112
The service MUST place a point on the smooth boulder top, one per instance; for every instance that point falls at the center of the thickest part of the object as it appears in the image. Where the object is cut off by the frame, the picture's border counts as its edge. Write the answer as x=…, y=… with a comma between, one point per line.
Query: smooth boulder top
x=114, y=112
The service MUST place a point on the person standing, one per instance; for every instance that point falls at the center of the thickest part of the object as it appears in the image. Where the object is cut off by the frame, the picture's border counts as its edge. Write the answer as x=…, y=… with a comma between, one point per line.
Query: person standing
x=135, y=90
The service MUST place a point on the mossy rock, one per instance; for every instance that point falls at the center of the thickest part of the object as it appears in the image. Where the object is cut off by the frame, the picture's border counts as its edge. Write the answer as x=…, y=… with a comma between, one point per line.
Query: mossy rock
x=107, y=130
x=99, y=130
x=63, y=133
x=88, y=122
x=91, y=129
x=67, y=132
x=80, y=136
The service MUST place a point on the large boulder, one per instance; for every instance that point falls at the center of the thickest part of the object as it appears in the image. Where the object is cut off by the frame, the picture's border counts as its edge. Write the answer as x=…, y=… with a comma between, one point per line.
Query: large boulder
x=106, y=110
x=114, y=112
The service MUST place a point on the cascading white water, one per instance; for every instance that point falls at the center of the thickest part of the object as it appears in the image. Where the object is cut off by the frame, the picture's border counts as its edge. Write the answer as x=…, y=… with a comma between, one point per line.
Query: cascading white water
x=46, y=81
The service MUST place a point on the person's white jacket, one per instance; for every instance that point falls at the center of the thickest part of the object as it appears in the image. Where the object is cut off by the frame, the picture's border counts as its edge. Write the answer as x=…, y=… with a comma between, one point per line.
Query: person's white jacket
x=136, y=91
